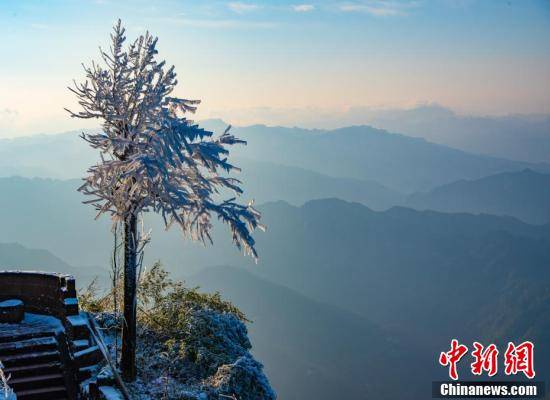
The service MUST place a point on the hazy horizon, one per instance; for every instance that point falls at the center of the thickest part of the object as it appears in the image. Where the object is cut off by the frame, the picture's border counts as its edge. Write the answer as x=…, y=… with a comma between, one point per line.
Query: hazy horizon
x=282, y=62
x=306, y=118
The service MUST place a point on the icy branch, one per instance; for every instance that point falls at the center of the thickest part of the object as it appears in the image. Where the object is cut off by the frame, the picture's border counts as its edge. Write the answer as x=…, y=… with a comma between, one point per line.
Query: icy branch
x=152, y=157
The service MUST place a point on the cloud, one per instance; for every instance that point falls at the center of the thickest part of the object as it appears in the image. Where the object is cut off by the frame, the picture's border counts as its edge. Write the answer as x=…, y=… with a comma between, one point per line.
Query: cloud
x=215, y=23
x=303, y=7
x=8, y=113
x=242, y=8
x=8, y=118
x=380, y=8
x=40, y=27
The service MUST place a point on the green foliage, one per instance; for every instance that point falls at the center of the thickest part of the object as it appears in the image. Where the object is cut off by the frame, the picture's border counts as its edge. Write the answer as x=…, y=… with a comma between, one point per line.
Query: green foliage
x=162, y=302
x=181, y=330
x=166, y=305
x=89, y=300
x=187, y=340
x=190, y=325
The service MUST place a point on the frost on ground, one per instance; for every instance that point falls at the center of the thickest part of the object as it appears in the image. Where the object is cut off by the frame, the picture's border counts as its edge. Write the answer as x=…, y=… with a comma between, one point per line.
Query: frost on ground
x=190, y=345
x=6, y=393
x=211, y=358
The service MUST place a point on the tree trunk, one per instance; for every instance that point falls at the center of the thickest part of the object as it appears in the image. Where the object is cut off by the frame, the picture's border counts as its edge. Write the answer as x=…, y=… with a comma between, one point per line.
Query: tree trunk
x=128, y=356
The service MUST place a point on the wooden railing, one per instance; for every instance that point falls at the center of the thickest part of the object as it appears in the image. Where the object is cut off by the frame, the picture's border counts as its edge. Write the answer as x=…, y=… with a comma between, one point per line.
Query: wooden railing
x=43, y=293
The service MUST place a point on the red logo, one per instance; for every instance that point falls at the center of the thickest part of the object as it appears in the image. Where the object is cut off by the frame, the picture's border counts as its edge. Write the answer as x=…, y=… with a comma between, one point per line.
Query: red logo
x=485, y=359
x=520, y=359
x=452, y=357
x=517, y=359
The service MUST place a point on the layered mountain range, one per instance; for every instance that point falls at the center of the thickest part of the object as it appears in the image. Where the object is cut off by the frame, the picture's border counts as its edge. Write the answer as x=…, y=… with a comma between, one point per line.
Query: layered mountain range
x=380, y=248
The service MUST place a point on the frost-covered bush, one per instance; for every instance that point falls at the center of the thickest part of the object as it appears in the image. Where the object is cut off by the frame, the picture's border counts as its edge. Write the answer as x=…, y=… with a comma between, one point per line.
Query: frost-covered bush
x=211, y=355
x=191, y=345
x=244, y=379
x=214, y=339
x=208, y=340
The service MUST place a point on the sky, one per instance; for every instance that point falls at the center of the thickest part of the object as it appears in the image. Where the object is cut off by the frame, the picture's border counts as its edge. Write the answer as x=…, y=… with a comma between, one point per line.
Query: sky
x=260, y=62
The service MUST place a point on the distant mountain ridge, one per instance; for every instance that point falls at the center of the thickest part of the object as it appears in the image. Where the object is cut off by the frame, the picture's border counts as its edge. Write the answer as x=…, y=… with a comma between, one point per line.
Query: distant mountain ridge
x=429, y=275
x=522, y=137
x=264, y=182
x=398, y=162
x=426, y=273
x=330, y=269
x=14, y=256
x=524, y=194
x=62, y=224
x=515, y=137
x=59, y=156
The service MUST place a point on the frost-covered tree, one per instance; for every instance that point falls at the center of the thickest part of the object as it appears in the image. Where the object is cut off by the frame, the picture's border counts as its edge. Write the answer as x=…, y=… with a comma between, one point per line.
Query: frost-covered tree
x=154, y=159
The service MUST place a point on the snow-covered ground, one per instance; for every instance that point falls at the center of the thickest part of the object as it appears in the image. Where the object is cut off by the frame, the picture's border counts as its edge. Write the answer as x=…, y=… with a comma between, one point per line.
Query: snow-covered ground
x=5, y=391
x=211, y=360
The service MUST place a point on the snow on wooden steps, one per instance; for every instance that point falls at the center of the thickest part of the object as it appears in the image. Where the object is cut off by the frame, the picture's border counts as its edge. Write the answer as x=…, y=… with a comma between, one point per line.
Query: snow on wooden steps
x=33, y=370
x=28, y=345
x=38, y=381
x=49, y=393
x=110, y=393
x=87, y=357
